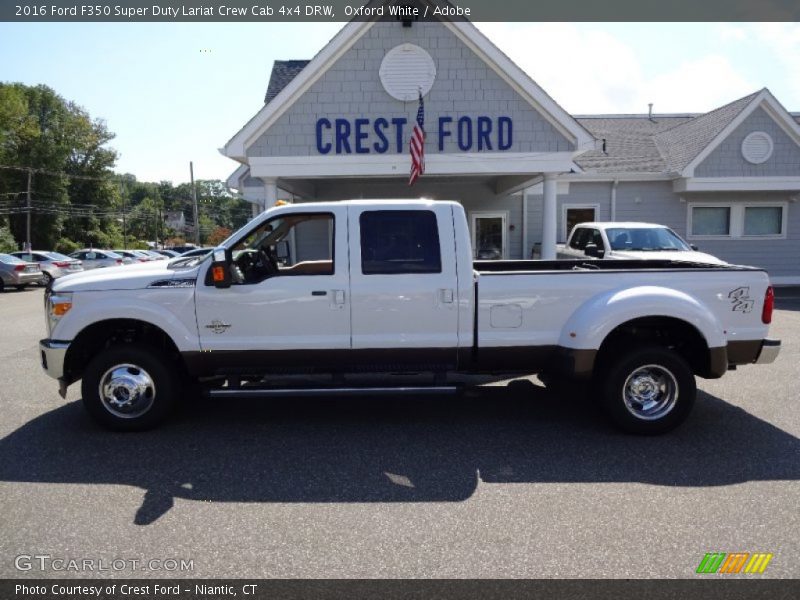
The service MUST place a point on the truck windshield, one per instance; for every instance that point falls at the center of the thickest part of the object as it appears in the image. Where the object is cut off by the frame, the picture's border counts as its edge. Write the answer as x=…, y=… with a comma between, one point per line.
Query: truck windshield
x=652, y=239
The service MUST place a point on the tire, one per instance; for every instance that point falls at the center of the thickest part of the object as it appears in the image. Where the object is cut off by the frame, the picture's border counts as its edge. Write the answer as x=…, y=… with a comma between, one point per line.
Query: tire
x=2, y=285
x=648, y=391
x=21, y=288
x=47, y=279
x=129, y=387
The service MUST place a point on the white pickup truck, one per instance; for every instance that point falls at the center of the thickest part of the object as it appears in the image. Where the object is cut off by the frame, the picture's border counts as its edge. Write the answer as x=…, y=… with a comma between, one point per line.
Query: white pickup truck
x=390, y=287
x=631, y=240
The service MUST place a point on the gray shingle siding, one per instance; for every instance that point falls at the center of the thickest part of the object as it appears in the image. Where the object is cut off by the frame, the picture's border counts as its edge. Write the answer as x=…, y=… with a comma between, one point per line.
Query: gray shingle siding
x=726, y=160
x=465, y=86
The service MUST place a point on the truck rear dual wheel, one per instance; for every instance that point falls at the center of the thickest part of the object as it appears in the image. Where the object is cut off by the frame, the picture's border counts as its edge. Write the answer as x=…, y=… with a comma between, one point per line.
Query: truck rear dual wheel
x=129, y=387
x=649, y=390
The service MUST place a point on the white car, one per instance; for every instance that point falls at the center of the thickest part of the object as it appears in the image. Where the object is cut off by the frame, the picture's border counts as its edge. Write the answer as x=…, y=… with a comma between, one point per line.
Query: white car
x=631, y=241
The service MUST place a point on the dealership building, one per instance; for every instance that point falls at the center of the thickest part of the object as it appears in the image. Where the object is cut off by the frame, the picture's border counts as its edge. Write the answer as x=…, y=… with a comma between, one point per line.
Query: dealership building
x=338, y=127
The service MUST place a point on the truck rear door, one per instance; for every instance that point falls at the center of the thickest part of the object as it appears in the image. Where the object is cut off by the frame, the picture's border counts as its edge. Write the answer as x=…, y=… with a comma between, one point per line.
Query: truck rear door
x=404, y=285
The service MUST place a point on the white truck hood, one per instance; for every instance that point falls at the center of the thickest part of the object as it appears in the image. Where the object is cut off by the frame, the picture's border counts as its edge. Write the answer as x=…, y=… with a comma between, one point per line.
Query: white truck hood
x=125, y=277
x=681, y=255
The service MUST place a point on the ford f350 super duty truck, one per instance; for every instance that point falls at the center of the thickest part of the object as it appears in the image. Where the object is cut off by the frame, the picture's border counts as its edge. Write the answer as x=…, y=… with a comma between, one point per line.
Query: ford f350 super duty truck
x=343, y=288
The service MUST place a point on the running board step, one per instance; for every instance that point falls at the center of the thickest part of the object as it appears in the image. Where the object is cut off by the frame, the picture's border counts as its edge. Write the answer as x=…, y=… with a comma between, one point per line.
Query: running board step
x=245, y=392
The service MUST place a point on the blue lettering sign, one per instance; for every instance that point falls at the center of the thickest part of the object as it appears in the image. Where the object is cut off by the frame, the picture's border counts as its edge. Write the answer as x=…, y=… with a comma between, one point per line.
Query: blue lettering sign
x=484, y=131
x=361, y=135
x=343, y=136
x=505, y=133
x=465, y=134
x=382, y=145
x=322, y=148
x=399, y=122
x=443, y=133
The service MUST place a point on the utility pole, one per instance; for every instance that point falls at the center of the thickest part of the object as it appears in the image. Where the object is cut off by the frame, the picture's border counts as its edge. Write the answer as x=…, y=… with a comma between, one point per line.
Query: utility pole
x=124, y=224
x=194, y=202
x=28, y=246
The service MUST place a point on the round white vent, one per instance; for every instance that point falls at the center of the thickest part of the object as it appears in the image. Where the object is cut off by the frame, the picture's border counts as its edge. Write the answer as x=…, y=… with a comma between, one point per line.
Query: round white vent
x=757, y=147
x=407, y=70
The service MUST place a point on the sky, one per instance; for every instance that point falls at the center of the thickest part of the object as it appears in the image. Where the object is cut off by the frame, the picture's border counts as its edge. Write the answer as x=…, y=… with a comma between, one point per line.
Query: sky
x=176, y=92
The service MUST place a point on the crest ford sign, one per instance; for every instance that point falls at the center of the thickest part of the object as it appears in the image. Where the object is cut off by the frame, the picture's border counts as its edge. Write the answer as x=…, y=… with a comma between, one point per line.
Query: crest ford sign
x=383, y=134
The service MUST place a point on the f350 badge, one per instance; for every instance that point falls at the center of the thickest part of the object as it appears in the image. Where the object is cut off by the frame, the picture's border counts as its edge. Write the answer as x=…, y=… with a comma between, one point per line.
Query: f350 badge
x=741, y=300
x=218, y=326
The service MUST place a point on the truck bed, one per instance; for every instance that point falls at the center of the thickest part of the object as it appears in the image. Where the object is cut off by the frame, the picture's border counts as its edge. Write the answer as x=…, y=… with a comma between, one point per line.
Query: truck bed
x=527, y=266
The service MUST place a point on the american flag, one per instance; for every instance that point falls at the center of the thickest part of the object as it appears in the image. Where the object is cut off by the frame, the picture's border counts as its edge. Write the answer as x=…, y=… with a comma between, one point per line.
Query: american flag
x=417, y=144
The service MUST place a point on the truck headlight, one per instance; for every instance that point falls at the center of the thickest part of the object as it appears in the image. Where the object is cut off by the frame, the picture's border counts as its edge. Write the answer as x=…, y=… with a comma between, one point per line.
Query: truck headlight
x=58, y=304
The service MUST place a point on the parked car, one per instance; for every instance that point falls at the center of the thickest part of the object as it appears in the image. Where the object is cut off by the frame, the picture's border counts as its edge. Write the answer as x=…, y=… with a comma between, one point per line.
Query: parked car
x=18, y=273
x=391, y=287
x=168, y=253
x=154, y=254
x=99, y=259
x=135, y=255
x=52, y=264
x=629, y=240
x=196, y=252
x=184, y=248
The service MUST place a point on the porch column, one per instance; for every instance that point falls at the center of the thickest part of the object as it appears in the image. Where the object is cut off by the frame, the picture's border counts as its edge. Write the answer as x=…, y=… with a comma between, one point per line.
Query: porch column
x=549, y=217
x=270, y=191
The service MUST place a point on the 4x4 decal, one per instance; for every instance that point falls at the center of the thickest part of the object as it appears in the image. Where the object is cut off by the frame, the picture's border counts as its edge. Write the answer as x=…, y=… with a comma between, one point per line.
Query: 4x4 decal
x=741, y=300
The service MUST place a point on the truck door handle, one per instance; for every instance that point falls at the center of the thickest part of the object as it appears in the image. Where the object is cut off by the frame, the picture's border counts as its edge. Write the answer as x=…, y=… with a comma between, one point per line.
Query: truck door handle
x=319, y=293
x=446, y=295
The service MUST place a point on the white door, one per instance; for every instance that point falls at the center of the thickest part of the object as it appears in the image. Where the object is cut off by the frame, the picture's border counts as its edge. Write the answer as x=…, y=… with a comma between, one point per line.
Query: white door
x=489, y=235
x=298, y=303
x=404, y=286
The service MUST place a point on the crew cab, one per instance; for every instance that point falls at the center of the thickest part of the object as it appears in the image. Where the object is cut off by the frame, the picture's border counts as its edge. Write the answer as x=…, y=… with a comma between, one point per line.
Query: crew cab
x=631, y=240
x=391, y=287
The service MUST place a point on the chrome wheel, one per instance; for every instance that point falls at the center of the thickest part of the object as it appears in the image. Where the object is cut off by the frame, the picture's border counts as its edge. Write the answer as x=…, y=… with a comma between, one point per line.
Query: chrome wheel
x=127, y=391
x=650, y=392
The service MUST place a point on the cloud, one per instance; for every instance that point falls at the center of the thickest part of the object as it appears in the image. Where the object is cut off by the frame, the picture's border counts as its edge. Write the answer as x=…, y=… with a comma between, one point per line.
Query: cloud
x=589, y=70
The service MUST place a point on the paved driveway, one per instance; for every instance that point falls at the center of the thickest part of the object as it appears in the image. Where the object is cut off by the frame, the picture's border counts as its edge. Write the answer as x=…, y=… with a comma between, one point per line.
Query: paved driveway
x=509, y=481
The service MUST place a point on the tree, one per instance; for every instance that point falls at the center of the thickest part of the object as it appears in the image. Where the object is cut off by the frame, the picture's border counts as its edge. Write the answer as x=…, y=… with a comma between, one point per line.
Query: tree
x=7, y=241
x=72, y=187
x=218, y=235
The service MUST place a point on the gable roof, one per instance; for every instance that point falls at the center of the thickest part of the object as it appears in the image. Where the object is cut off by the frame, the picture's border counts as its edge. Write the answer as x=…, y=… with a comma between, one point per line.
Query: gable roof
x=679, y=145
x=283, y=72
x=467, y=33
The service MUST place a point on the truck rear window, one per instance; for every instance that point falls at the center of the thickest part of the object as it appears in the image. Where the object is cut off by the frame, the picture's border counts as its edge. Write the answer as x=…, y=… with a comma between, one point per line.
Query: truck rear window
x=399, y=241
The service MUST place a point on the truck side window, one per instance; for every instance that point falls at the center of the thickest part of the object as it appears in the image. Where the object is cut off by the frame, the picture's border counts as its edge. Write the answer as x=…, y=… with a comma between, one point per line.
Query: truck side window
x=399, y=241
x=579, y=239
x=596, y=239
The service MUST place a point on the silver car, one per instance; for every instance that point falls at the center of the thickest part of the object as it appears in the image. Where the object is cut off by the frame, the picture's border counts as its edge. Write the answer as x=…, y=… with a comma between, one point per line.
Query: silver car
x=18, y=273
x=52, y=264
x=98, y=259
x=135, y=256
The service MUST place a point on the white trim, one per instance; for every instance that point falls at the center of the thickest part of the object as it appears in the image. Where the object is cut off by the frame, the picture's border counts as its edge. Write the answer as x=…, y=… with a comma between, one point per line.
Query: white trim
x=481, y=163
x=488, y=214
x=773, y=108
x=235, y=179
x=737, y=184
x=565, y=207
x=610, y=177
x=537, y=189
x=319, y=65
x=736, y=220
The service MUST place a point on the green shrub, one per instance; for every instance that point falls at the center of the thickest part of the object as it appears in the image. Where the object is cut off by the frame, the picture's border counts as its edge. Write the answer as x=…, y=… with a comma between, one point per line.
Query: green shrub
x=7, y=241
x=66, y=246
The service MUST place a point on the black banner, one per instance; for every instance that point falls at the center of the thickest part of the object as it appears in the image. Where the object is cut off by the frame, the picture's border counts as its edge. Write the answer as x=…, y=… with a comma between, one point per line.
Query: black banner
x=343, y=10
x=707, y=588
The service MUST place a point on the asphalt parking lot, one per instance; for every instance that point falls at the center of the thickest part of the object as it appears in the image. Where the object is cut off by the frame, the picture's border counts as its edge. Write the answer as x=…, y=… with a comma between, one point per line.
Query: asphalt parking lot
x=508, y=481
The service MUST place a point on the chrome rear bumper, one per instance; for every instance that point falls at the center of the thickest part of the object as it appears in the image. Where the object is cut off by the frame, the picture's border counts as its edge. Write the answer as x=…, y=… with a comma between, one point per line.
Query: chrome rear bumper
x=769, y=351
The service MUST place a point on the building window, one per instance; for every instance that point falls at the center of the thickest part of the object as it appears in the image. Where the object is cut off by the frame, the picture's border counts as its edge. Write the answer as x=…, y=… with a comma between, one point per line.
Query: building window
x=394, y=242
x=763, y=220
x=737, y=220
x=711, y=220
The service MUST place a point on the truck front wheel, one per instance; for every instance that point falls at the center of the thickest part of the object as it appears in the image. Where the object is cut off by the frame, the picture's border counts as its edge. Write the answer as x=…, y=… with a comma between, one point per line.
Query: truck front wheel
x=129, y=387
x=649, y=390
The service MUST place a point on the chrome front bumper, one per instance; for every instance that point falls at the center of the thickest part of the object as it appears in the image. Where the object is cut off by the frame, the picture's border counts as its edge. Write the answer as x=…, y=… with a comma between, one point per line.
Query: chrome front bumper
x=52, y=353
x=769, y=351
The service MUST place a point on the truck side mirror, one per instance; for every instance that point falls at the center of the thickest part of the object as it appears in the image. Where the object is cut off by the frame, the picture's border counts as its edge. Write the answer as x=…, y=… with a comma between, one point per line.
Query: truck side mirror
x=282, y=252
x=694, y=247
x=219, y=274
x=593, y=251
